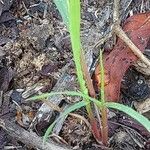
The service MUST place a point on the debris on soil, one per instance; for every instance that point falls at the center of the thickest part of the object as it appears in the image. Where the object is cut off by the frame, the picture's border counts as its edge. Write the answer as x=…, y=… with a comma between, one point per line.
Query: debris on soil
x=5, y=5
x=132, y=124
x=121, y=57
x=77, y=133
x=140, y=66
x=126, y=140
x=37, y=35
x=143, y=107
x=6, y=76
x=35, y=57
x=134, y=86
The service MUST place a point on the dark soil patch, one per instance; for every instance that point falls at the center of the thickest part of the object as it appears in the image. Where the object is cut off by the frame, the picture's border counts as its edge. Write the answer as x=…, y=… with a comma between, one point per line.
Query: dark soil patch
x=34, y=50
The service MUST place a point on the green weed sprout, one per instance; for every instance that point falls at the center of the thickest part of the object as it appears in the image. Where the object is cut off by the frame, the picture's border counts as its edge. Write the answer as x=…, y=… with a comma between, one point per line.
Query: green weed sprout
x=70, y=12
x=125, y=109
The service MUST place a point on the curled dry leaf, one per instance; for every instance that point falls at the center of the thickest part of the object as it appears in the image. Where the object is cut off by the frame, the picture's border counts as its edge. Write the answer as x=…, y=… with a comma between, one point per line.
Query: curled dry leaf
x=121, y=57
x=142, y=67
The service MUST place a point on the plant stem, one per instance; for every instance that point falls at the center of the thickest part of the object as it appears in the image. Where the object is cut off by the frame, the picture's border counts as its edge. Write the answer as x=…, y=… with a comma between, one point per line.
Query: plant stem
x=87, y=76
x=74, y=27
x=89, y=84
x=104, y=129
x=92, y=94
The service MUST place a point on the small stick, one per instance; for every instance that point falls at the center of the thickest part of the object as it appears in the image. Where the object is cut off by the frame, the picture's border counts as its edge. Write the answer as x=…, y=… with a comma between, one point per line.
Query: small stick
x=122, y=35
x=116, y=11
x=28, y=138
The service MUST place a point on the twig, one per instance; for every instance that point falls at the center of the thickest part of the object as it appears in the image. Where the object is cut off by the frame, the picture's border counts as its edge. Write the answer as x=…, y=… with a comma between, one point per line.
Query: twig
x=116, y=11
x=28, y=138
x=134, y=139
x=129, y=128
x=102, y=40
x=82, y=118
x=122, y=35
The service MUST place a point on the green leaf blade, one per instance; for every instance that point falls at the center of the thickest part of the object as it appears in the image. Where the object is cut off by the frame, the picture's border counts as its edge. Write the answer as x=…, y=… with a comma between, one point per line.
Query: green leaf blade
x=70, y=109
x=132, y=113
x=62, y=6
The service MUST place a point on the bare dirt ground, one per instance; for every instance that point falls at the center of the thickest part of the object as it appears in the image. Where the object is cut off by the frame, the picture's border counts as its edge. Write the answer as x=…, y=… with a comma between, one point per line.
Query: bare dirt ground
x=36, y=57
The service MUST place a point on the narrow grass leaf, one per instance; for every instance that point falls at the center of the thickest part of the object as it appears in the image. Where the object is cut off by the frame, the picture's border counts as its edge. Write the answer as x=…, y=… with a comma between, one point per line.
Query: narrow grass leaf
x=69, y=93
x=62, y=6
x=74, y=28
x=72, y=108
x=102, y=77
x=129, y=111
x=70, y=12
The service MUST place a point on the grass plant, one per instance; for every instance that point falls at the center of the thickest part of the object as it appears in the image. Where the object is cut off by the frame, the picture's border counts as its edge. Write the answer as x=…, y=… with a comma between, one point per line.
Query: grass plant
x=70, y=12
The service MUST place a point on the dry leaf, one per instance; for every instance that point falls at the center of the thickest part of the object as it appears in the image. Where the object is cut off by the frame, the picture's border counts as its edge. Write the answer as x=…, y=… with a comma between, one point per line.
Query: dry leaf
x=121, y=57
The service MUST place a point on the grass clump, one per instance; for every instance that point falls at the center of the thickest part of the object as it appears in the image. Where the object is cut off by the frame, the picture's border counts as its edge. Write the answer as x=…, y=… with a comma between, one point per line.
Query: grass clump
x=70, y=12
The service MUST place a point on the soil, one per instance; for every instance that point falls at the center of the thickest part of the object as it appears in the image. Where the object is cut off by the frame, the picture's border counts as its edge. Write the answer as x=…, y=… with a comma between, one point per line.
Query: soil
x=35, y=49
